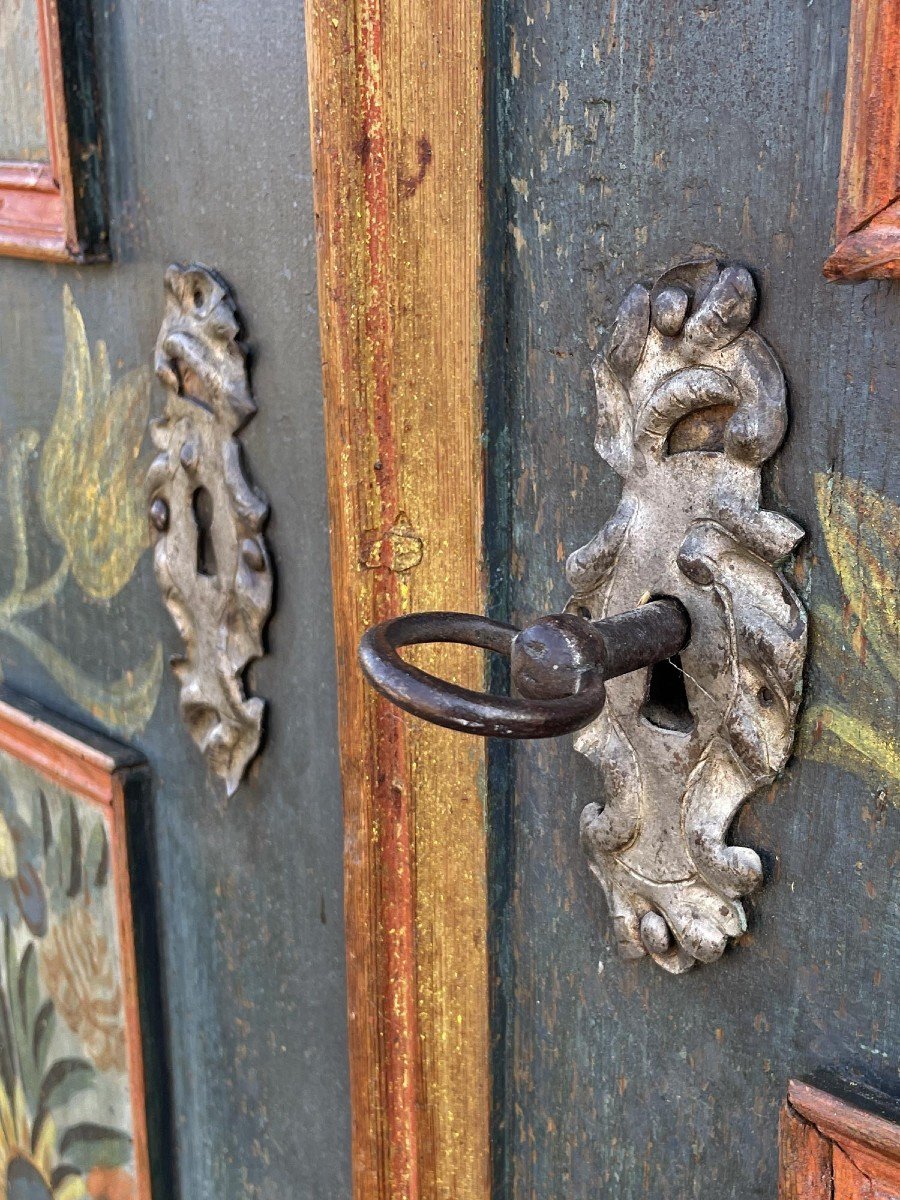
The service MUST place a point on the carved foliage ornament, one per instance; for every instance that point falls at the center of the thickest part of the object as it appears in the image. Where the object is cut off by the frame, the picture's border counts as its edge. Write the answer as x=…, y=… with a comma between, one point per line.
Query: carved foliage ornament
x=207, y=519
x=691, y=403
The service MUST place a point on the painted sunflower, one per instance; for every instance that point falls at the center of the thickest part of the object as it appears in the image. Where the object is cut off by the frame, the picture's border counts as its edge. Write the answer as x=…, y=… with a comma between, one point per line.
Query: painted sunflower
x=28, y=1157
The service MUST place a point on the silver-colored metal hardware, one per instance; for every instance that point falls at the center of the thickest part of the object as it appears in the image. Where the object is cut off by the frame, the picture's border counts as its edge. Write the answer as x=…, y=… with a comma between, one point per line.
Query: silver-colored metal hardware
x=207, y=519
x=691, y=403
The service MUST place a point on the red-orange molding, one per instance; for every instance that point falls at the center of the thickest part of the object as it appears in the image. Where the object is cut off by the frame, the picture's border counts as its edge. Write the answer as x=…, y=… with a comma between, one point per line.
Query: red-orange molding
x=867, y=225
x=94, y=767
x=55, y=210
x=831, y=1149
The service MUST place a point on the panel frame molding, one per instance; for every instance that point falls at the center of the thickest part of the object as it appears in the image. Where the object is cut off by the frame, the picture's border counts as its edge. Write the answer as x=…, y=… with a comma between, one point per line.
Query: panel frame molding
x=116, y=779
x=56, y=211
x=830, y=1149
x=867, y=224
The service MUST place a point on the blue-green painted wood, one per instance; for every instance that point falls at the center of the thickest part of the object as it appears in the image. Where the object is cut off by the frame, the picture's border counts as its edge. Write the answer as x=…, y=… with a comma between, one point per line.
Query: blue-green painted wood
x=207, y=155
x=632, y=136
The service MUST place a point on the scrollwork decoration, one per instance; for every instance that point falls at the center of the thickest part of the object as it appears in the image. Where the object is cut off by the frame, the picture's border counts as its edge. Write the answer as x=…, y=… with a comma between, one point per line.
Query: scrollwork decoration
x=207, y=519
x=691, y=403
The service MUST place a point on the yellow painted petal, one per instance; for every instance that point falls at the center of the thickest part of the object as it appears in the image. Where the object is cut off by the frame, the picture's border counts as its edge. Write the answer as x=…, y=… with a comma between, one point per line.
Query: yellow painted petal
x=63, y=456
x=92, y=493
x=835, y=642
x=8, y=865
x=71, y=1188
x=7, y=1121
x=106, y=552
x=862, y=532
x=20, y=1114
x=45, y=1149
x=843, y=738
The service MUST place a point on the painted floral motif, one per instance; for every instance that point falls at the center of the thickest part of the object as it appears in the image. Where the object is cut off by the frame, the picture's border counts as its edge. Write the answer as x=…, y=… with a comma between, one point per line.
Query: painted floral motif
x=855, y=725
x=79, y=971
x=29, y=1155
x=91, y=486
x=63, y=1063
x=91, y=497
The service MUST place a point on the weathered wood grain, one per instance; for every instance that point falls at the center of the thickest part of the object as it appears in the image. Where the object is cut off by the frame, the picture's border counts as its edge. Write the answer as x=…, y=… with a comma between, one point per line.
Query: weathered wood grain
x=849, y=1182
x=867, y=225
x=207, y=146
x=830, y=1149
x=804, y=1159
x=635, y=136
x=870, y=1141
x=871, y=252
x=396, y=97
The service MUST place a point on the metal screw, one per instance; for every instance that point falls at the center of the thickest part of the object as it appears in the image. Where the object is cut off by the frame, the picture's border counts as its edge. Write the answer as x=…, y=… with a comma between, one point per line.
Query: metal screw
x=159, y=514
x=252, y=554
x=669, y=309
x=655, y=933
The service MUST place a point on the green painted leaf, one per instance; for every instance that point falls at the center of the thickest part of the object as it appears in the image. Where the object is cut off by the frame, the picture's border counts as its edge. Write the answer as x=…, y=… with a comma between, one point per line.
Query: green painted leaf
x=76, y=875
x=29, y=991
x=96, y=857
x=70, y=851
x=64, y=846
x=7, y=1046
x=44, y=1024
x=11, y=963
x=53, y=871
x=61, y=1174
x=65, y=1080
x=46, y=822
x=21, y=1048
x=89, y=1146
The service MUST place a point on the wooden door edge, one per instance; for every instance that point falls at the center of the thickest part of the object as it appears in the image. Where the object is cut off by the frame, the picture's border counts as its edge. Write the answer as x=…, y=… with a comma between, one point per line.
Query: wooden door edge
x=397, y=131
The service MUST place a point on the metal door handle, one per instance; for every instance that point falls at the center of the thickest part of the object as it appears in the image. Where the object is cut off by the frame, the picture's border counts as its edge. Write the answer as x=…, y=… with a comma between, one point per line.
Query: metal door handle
x=559, y=666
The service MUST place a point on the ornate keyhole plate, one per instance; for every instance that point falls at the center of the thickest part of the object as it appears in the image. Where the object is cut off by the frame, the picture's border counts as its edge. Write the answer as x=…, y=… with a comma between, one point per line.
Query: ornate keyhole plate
x=207, y=519
x=691, y=403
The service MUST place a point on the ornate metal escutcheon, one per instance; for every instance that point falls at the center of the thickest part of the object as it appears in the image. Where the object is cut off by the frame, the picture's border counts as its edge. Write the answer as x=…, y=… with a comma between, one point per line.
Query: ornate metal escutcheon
x=207, y=519
x=691, y=403
x=680, y=654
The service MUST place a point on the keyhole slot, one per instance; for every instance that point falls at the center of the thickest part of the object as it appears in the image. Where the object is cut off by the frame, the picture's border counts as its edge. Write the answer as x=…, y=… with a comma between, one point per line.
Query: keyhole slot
x=665, y=701
x=202, y=508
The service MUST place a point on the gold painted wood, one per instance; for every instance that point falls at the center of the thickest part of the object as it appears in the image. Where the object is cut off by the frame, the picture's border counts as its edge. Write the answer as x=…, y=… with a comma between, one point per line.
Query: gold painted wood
x=396, y=96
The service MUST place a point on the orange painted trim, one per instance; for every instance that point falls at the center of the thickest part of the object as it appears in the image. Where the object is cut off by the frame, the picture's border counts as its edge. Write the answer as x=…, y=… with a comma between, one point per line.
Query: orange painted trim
x=134, y=1044
x=872, y=252
x=56, y=754
x=831, y=1149
x=867, y=225
x=37, y=204
x=397, y=131
x=99, y=778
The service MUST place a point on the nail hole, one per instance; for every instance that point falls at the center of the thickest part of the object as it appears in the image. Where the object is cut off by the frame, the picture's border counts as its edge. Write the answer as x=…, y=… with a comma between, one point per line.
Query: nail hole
x=202, y=505
x=584, y=611
x=198, y=299
x=765, y=697
x=665, y=700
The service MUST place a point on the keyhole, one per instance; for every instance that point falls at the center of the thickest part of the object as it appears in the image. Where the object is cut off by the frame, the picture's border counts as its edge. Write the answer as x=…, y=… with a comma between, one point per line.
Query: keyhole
x=666, y=703
x=202, y=505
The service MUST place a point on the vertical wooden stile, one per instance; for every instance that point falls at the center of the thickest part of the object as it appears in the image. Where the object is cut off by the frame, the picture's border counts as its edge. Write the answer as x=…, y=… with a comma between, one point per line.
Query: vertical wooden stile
x=397, y=119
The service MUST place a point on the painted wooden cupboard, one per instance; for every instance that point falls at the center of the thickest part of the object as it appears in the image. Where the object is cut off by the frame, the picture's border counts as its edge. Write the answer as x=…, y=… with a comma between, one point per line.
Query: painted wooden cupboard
x=485, y=270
